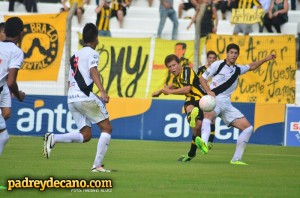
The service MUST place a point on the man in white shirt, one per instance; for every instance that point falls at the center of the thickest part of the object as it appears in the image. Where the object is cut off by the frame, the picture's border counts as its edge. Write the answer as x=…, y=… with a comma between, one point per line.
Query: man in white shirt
x=11, y=59
x=224, y=75
x=86, y=107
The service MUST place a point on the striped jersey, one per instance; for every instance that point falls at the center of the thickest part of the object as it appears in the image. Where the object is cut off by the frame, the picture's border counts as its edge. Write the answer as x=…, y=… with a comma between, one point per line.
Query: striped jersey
x=224, y=78
x=103, y=18
x=244, y=4
x=189, y=78
x=81, y=82
x=117, y=4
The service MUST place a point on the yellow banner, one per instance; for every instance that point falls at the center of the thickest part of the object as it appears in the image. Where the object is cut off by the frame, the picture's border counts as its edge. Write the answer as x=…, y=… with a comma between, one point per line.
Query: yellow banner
x=274, y=81
x=42, y=44
x=160, y=74
x=247, y=16
x=124, y=66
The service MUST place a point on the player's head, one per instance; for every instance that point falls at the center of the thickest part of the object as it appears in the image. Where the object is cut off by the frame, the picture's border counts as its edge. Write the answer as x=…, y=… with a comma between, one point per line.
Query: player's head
x=233, y=51
x=90, y=35
x=211, y=57
x=172, y=63
x=180, y=49
x=233, y=46
x=2, y=33
x=14, y=28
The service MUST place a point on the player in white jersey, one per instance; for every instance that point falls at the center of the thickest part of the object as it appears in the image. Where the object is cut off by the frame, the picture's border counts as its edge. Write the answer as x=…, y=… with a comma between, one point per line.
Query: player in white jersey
x=224, y=76
x=86, y=107
x=11, y=59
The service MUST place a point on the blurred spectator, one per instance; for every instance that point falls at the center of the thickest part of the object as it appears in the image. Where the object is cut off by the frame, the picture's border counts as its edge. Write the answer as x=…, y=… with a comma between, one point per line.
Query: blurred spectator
x=78, y=11
x=31, y=5
x=277, y=15
x=186, y=6
x=245, y=29
x=103, y=16
x=11, y=5
x=225, y=5
x=2, y=33
x=265, y=5
x=209, y=22
x=119, y=9
x=166, y=10
x=150, y=3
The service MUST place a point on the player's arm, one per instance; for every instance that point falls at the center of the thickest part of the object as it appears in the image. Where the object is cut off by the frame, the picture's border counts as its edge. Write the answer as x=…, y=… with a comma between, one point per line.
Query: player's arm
x=256, y=64
x=12, y=84
x=179, y=91
x=96, y=78
x=159, y=92
x=205, y=86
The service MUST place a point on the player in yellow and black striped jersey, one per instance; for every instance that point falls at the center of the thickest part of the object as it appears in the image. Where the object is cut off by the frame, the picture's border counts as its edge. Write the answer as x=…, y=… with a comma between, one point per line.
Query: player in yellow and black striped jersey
x=103, y=17
x=185, y=82
x=119, y=9
x=211, y=57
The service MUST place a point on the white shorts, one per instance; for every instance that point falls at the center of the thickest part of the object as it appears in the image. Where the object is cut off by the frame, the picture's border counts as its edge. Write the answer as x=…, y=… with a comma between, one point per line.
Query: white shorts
x=225, y=110
x=5, y=97
x=86, y=113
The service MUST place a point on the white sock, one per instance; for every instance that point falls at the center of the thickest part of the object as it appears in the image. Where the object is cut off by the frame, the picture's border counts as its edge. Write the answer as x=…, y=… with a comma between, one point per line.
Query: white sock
x=205, y=130
x=101, y=148
x=3, y=140
x=68, y=137
x=241, y=143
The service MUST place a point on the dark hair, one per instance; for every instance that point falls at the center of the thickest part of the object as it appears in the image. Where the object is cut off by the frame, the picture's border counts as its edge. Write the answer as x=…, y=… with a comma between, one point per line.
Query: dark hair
x=89, y=33
x=2, y=26
x=13, y=27
x=170, y=58
x=210, y=52
x=232, y=46
x=182, y=44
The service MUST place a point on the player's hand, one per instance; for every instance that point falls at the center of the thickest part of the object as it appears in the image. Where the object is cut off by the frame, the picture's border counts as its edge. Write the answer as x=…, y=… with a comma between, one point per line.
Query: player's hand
x=156, y=94
x=211, y=93
x=21, y=96
x=270, y=57
x=104, y=96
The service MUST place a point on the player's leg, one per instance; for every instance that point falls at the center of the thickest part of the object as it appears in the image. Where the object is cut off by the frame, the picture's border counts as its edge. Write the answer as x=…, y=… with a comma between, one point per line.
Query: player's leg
x=4, y=137
x=243, y=139
x=5, y=104
x=211, y=136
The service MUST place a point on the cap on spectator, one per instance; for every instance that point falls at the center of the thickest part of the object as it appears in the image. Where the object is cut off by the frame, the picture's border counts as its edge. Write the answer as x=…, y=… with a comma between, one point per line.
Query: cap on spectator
x=13, y=27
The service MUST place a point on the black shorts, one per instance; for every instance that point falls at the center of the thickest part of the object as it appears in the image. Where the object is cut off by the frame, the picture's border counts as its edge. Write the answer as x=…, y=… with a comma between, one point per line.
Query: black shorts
x=195, y=103
x=114, y=13
x=187, y=6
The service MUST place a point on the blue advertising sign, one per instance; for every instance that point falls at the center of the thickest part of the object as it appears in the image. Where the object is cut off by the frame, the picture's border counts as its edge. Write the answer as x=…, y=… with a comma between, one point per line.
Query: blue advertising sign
x=292, y=130
x=163, y=120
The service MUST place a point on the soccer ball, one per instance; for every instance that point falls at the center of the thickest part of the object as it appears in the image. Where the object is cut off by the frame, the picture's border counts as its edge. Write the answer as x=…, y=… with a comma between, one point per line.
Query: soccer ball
x=207, y=103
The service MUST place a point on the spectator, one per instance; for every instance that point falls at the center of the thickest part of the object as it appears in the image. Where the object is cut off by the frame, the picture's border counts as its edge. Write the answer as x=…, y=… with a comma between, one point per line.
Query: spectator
x=186, y=6
x=277, y=15
x=2, y=33
x=265, y=5
x=31, y=5
x=119, y=10
x=103, y=16
x=245, y=29
x=79, y=11
x=166, y=10
x=11, y=5
x=225, y=5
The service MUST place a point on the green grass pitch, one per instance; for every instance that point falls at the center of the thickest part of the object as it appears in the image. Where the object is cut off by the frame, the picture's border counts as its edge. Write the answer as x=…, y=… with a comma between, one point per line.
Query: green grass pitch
x=151, y=169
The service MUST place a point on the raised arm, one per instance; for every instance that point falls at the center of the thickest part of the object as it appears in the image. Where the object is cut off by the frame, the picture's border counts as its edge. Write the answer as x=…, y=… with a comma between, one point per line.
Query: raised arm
x=256, y=64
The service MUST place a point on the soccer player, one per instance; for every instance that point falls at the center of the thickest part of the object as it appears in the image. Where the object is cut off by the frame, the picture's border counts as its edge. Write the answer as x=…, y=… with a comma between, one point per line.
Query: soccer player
x=11, y=59
x=224, y=78
x=85, y=106
x=185, y=82
x=211, y=57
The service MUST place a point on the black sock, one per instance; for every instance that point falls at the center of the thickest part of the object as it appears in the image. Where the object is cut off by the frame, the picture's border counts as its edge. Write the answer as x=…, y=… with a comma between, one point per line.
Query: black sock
x=212, y=133
x=193, y=148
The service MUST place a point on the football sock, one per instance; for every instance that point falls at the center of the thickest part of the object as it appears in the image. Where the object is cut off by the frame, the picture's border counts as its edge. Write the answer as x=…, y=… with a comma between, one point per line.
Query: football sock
x=101, y=148
x=241, y=143
x=3, y=140
x=68, y=137
x=205, y=130
x=212, y=133
x=193, y=148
